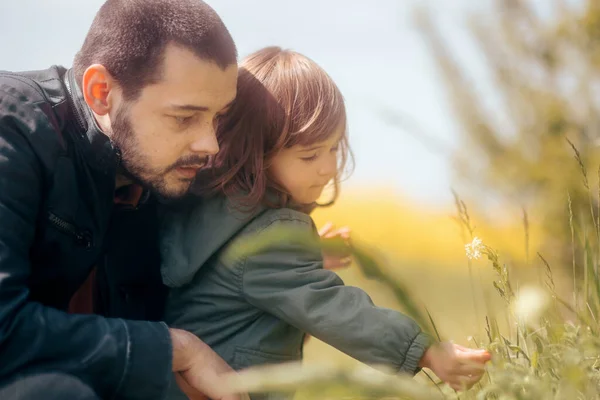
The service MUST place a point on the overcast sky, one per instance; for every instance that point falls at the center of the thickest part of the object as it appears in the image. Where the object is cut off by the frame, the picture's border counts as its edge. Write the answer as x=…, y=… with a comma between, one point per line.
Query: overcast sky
x=371, y=51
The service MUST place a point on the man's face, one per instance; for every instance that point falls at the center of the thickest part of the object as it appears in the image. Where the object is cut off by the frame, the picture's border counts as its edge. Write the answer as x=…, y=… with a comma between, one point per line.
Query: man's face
x=167, y=133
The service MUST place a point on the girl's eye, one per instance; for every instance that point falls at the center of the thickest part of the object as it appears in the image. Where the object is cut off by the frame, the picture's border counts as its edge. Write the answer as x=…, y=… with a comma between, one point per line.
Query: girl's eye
x=311, y=158
x=335, y=148
x=219, y=117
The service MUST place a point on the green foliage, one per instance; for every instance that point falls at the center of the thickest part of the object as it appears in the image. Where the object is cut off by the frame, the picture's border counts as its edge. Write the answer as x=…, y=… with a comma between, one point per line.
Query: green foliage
x=543, y=65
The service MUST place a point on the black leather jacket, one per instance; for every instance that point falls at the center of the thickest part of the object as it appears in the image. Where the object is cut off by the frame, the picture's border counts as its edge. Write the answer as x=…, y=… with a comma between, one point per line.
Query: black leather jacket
x=58, y=221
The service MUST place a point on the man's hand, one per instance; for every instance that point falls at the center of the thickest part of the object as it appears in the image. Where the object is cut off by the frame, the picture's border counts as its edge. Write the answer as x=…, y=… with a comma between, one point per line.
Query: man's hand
x=458, y=366
x=189, y=391
x=200, y=372
x=337, y=260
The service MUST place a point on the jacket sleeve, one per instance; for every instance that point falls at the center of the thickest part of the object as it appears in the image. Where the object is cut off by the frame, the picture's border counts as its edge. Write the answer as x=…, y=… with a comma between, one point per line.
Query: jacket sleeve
x=115, y=357
x=288, y=281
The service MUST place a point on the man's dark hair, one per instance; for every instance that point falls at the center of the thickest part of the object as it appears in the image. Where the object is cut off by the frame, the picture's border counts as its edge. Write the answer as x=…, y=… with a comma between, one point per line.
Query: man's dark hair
x=129, y=38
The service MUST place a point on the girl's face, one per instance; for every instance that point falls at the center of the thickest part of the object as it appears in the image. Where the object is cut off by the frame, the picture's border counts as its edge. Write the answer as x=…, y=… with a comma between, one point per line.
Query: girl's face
x=304, y=171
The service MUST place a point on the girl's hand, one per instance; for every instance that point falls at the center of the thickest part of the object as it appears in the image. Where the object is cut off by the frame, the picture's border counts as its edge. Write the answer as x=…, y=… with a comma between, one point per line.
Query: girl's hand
x=458, y=366
x=337, y=260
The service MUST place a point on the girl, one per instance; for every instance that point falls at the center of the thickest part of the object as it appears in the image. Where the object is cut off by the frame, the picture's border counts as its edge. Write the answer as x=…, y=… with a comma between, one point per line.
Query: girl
x=283, y=140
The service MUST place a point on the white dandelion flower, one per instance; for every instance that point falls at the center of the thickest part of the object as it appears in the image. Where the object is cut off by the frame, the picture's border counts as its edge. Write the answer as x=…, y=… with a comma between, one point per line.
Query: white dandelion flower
x=530, y=304
x=474, y=249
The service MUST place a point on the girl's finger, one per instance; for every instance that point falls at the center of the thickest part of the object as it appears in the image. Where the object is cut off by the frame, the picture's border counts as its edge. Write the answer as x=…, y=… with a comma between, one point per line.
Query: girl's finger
x=474, y=356
x=467, y=349
x=343, y=232
x=462, y=348
x=325, y=229
x=345, y=262
x=336, y=262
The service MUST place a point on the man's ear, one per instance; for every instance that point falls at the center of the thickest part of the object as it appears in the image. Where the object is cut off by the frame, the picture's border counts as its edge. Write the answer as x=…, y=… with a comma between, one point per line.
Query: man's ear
x=98, y=87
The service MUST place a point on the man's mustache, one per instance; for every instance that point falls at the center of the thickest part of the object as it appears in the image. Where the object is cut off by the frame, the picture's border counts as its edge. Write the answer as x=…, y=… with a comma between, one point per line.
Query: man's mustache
x=194, y=161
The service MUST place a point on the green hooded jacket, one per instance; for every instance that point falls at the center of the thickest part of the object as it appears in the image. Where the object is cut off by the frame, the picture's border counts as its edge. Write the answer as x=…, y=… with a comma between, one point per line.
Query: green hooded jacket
x=255, y=309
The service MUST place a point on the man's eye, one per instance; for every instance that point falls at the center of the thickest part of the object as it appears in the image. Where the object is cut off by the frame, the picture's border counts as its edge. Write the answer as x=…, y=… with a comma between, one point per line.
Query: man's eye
x=182, y=120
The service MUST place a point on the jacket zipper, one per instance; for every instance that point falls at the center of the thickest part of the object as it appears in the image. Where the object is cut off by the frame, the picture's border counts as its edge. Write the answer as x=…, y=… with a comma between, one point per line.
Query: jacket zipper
x=82, y=238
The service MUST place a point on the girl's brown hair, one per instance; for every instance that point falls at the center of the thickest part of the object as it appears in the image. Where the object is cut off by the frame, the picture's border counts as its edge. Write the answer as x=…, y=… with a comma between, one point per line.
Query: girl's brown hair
x=283, y=99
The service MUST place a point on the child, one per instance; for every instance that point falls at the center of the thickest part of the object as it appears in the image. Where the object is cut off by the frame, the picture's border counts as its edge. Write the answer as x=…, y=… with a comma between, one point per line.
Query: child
x=283, y=140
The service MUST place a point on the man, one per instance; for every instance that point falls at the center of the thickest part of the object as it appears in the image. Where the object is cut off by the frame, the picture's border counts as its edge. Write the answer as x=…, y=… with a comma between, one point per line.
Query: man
x=80, y=152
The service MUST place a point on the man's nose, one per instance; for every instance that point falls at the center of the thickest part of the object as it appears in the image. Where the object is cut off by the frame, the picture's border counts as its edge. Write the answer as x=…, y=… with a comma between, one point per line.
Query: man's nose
x=205, y=141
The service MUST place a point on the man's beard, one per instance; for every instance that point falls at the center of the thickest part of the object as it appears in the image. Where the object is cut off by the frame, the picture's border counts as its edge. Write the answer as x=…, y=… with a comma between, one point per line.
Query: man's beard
x=136, y=167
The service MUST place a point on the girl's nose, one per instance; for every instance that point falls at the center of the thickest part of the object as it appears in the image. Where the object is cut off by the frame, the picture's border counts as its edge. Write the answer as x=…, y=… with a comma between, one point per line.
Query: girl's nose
x=329, y=167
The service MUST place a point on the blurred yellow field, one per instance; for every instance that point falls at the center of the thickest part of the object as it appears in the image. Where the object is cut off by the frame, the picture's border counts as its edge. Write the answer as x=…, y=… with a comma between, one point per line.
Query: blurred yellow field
x=414, y=233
